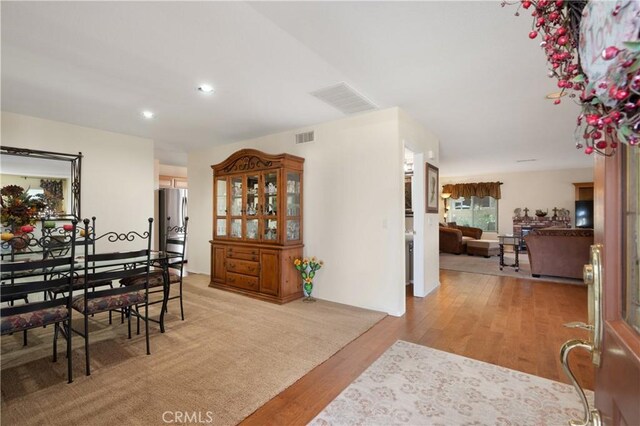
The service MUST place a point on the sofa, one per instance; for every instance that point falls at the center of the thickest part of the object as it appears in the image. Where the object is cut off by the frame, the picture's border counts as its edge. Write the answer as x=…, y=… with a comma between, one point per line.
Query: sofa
x=453, y=238
x=559, y=252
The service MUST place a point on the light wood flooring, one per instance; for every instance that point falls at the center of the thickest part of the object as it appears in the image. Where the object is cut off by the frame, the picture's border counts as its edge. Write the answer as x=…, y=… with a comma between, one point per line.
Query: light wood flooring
x=511, y=322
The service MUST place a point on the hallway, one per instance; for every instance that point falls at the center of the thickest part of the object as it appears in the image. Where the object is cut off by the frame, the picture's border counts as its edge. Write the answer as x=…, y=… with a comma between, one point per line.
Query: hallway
x=514, y=323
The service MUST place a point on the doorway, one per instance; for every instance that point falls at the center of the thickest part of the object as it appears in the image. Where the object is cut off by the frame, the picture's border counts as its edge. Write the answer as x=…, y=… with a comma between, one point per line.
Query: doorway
x=414, y=221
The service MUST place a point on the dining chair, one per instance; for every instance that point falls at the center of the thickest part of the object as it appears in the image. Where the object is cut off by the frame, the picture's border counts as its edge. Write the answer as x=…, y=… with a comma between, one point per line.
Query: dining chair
x=114, y=265
x=175, y=246
x=57, y=248
x=20, y=247
x=28, y=277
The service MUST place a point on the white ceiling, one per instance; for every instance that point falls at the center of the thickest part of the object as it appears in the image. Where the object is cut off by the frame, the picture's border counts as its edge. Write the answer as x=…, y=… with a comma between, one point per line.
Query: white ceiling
x=465, y=70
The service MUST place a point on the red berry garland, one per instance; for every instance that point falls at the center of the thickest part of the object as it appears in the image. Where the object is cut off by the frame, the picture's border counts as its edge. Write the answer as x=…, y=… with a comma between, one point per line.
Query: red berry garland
x=605, y=121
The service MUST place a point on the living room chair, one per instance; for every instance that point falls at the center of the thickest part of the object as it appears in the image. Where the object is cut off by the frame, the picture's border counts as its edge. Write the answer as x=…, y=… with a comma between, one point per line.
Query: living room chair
x=453, y=238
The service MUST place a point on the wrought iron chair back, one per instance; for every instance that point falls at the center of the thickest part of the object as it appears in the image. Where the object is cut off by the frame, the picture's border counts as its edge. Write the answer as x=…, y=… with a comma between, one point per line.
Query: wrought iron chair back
x=52, y=228
x=23, y=278
x=176, y=243
x=102, y=267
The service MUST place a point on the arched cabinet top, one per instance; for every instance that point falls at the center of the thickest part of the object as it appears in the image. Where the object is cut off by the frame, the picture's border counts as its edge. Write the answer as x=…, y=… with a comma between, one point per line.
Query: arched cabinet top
x=248, y=160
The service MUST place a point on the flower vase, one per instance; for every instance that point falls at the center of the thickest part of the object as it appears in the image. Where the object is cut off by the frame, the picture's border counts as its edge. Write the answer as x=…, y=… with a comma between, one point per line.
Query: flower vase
x=307, y=289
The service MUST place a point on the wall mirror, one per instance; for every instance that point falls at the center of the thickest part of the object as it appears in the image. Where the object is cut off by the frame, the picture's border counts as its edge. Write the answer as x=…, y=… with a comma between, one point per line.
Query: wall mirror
x=55, y=175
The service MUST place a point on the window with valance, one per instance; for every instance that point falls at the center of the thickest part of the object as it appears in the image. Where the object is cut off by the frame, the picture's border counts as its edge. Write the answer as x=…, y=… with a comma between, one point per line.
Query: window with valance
x=468, y=190
x=473, y=204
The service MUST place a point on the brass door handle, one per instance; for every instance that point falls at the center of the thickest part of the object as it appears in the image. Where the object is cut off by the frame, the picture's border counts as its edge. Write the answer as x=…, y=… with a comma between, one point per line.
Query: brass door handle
x=592, y=275
x=591, y=416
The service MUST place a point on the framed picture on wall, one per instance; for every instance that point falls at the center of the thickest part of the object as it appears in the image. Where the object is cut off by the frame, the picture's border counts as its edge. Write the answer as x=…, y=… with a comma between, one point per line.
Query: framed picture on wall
x=408, y=211
x=432, y=189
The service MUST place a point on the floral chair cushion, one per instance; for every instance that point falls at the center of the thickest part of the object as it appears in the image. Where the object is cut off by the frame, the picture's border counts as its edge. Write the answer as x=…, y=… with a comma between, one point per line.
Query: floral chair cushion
x=107, y=303
x=155, y=279
x=78, y=284
x=27, y=320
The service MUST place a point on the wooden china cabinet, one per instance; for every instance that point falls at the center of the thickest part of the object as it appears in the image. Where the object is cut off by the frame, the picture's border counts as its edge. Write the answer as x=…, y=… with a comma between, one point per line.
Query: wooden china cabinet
x=257, y=225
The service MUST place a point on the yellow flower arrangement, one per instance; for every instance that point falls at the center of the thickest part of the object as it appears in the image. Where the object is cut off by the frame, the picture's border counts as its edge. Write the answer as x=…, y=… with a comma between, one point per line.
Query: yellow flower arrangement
x=307, y=268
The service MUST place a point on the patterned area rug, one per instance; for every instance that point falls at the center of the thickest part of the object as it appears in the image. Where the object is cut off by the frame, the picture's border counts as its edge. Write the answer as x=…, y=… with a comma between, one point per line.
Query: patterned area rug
x=417, y=385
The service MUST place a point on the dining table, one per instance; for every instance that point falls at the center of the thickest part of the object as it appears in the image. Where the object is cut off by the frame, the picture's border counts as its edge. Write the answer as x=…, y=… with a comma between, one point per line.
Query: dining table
x=159, y=260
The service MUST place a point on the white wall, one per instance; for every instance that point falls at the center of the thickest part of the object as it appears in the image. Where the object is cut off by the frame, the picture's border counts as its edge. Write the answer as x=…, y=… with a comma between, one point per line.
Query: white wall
x=353, y=206
x=423, y=144
x=117, y=170
x=169, y=170
x=535, y=190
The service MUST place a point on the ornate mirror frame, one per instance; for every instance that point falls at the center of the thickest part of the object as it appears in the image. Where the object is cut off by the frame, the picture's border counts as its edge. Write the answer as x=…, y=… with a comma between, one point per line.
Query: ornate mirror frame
x=75, y=161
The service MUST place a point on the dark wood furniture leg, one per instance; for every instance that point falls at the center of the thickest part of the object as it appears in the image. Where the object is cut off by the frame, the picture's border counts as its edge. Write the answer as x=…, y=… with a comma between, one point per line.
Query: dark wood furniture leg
x=165, y=293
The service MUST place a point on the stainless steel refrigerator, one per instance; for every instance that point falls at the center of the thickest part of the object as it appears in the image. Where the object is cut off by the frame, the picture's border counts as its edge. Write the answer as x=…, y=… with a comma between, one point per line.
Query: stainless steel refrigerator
x=172, y=203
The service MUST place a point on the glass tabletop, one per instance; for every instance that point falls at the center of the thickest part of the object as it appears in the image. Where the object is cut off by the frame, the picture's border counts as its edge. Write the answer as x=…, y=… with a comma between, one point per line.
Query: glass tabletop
x=509, y=239
x=157, y=258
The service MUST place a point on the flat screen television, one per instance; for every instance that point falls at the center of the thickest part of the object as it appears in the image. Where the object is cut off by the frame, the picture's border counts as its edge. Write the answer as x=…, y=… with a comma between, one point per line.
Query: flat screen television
x=584, y=214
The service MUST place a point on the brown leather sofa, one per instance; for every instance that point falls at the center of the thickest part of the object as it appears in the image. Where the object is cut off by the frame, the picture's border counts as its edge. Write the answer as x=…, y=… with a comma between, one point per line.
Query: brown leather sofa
x=453, y=238
x=559, y=252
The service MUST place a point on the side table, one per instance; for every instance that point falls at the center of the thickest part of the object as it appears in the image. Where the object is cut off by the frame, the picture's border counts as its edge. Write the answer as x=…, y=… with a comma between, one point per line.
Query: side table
x=513, y=241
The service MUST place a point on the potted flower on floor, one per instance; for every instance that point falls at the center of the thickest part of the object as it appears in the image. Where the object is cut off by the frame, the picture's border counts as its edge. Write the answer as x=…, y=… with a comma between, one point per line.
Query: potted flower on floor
x=307, y=268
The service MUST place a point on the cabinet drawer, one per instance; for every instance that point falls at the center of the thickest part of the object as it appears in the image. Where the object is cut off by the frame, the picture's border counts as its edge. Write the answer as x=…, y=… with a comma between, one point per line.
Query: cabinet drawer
x=243, y=267
x=242, y=281
x=243, y=253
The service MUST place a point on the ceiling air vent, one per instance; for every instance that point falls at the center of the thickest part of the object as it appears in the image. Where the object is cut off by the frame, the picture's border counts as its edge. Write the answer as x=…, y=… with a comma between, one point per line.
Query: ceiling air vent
x=304, y=137
x=345, y=99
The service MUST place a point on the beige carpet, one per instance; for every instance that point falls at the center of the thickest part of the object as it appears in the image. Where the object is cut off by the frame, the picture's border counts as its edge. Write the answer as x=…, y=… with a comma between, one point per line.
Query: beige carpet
x=491, y=266
x=230, y=356
x=416, y=385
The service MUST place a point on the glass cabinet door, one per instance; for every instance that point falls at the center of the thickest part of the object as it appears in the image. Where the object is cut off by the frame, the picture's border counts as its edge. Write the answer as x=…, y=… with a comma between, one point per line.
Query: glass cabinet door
x=270, y=208
x=252, y=207
x=236, y=203
x=221, y=207
x=293, y=206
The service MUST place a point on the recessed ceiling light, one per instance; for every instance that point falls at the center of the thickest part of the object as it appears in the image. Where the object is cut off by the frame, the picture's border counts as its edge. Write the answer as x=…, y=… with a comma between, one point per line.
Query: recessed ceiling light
x=148, y=114
x=206, y=88
x=556, y=95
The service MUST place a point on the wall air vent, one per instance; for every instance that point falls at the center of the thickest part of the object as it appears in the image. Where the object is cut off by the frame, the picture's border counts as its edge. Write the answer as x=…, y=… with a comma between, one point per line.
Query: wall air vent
x=345, y=99
x=304, y=137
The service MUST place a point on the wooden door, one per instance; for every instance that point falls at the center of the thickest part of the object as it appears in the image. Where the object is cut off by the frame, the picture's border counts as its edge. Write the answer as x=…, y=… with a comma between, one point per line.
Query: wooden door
x=269, y=272
x=292, y=206
x=270, y=209
x=180, y=182
x=221, y=208
x=218, y=272
x=252, y=207
x=617, y=390
x=237, y=197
